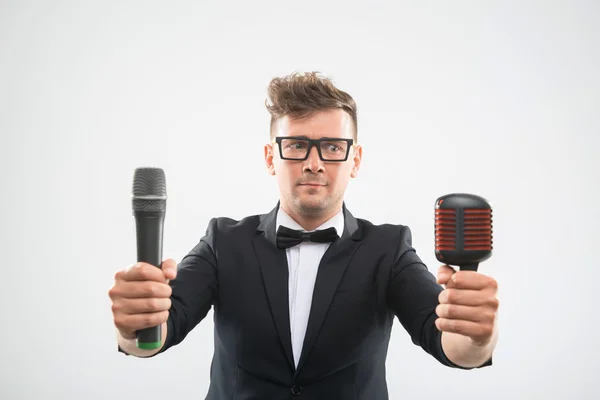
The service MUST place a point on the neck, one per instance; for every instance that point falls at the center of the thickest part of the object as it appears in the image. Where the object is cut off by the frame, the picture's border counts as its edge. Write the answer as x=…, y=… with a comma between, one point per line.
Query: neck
x=310, y=222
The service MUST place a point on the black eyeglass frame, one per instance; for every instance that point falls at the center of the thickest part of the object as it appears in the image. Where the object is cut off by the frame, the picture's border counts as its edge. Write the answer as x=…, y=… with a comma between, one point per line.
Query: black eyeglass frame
x=313, y=142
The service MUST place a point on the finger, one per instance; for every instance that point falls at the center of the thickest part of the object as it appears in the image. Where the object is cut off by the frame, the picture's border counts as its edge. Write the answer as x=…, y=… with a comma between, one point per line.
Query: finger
x=468, y=297
x=476, y=331
x=141, y=272
x=472, y=280
x=444, y=274
x=135, y=290
x=142, y=305
x=129, y=323
x=169, y=269
x=465, y=313
x=127, y=334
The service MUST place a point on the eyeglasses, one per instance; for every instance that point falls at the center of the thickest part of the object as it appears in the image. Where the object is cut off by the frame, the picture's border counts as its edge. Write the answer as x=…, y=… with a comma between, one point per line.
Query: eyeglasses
x=298, y=148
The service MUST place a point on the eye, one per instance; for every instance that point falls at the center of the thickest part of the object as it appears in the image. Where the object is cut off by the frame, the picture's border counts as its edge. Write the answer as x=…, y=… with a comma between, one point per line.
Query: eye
x=332, y=147
x=295, y=145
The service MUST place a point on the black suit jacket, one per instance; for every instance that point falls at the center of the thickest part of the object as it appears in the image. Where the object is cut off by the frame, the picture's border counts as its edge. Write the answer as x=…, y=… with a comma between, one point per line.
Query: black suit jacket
x=365, y=279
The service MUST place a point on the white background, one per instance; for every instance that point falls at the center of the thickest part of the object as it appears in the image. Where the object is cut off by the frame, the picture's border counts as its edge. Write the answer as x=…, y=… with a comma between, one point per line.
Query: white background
x=499, y=99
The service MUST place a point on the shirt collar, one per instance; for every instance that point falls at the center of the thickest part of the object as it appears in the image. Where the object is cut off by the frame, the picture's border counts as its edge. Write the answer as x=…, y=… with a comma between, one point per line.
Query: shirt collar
x=337, y=221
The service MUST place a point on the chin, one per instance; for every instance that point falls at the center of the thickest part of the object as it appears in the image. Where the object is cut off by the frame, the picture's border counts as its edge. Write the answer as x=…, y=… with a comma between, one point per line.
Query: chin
x=311, y=205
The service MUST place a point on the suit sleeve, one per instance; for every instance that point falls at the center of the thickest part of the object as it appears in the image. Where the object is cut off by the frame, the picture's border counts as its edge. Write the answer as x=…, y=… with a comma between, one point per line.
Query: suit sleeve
x=194, y=290
x=413, y=296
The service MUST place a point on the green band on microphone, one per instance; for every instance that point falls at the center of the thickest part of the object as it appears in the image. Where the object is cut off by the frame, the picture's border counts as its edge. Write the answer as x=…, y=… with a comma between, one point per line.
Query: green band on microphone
x=148, y=345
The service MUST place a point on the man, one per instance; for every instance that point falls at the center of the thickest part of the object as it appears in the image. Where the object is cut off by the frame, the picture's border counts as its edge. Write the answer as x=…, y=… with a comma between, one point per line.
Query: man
x=307, y=315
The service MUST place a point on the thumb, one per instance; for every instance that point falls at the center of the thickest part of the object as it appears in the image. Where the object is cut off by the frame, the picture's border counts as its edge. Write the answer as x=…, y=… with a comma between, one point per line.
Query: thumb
x=169, y=268
x=444, y=274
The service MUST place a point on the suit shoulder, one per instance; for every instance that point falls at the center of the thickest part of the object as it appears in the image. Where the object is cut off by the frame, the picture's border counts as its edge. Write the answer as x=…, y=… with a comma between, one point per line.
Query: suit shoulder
x=393, y=237
x=225, y=226
x=384, y=229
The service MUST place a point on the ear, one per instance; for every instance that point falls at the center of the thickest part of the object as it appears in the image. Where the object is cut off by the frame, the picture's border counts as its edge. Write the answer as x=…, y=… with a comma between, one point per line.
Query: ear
x=356, y=160
x=269, y=159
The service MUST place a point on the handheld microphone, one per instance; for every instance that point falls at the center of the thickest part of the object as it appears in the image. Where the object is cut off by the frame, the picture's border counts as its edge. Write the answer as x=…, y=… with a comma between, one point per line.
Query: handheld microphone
x=149, y=201
x=463, y=230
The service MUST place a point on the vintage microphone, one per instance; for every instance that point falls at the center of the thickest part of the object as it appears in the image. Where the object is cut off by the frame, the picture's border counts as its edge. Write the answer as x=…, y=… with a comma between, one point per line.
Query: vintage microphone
x=149, y=200
x=463, y=230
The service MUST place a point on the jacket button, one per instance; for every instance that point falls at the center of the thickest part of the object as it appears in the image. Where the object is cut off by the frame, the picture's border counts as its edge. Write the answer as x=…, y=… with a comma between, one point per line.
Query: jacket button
x=296, y=389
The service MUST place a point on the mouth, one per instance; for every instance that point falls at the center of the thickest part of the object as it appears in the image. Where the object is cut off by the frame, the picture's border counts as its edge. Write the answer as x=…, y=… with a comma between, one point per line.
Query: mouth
x=311, y=184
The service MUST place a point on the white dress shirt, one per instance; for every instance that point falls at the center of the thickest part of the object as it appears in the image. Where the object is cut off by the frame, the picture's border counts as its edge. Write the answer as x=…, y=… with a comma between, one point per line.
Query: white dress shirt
x=303, y=264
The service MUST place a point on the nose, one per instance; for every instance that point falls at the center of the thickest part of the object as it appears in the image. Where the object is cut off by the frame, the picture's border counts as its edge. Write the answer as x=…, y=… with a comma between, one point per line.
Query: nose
x=313, y=163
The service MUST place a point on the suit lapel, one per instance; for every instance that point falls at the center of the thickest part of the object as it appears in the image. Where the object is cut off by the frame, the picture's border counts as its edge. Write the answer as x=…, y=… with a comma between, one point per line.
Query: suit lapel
x=331, y=269
x=274, y=268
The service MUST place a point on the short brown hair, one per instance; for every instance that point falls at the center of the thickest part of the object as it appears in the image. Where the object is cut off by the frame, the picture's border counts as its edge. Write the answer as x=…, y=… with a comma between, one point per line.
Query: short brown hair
x=301, y=95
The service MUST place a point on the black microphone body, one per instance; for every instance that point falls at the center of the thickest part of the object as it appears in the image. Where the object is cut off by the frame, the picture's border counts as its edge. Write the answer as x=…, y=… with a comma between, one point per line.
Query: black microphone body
x=149, y=207
x=463, y=230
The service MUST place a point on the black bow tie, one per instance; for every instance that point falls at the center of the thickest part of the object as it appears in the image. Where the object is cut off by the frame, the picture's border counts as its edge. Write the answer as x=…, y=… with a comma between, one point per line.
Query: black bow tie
x=287, y=237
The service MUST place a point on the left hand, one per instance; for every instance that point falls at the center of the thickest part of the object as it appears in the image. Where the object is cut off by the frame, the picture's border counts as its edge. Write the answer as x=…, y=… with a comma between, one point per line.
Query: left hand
x=468, y=305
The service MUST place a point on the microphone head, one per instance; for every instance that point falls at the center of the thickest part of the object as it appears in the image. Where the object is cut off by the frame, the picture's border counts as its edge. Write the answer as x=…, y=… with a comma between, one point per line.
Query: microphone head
x=149, y=190
x=463, y=230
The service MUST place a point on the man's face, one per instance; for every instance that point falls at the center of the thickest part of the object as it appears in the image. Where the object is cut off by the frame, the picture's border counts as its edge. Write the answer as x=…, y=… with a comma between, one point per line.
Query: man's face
x=313, y=187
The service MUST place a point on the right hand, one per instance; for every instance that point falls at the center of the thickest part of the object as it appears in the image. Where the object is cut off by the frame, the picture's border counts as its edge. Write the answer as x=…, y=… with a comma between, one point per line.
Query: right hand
x=140, y=296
